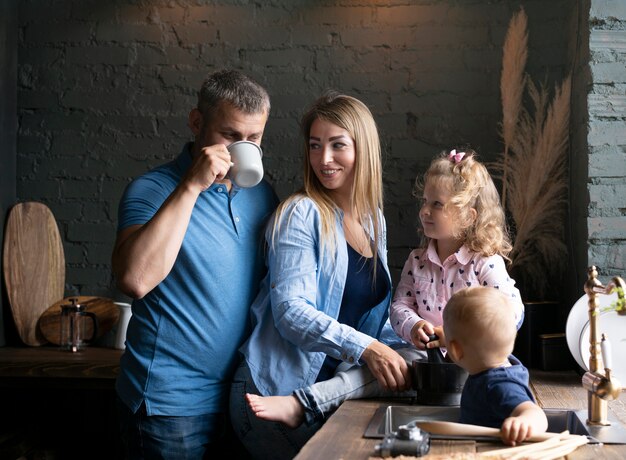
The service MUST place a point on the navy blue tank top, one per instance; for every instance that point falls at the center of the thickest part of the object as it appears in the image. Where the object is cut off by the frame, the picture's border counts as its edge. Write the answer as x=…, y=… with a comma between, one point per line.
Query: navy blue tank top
x=363, y=291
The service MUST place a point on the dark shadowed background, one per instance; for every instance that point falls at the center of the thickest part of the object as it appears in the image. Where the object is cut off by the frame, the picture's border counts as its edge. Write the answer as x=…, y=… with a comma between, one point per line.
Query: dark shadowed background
x=102, y=91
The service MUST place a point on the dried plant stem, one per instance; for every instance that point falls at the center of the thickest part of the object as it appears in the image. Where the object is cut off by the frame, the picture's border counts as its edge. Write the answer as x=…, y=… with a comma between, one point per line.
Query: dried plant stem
x=525, y=449
x=512, y=80
x=504, y=175
x=552, y=448
x=538, y=190
x=533, y=167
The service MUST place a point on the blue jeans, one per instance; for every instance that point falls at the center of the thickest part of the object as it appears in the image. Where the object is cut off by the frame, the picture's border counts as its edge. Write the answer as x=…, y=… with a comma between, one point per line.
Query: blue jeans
x=273, y=440
x=171, y=438
x=349, y=382
x=263, y=439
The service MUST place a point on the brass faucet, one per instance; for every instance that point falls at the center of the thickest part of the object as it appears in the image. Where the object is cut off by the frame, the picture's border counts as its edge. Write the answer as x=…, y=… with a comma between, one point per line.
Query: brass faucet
x=600, y=387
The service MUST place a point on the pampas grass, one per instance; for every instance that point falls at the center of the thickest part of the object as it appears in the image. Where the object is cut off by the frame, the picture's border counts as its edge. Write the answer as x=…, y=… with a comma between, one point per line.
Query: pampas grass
x=534, y=169
x=512, y=81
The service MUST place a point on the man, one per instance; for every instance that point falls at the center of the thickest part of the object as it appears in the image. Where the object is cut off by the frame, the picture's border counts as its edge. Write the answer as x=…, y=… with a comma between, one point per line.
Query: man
x=188, y=251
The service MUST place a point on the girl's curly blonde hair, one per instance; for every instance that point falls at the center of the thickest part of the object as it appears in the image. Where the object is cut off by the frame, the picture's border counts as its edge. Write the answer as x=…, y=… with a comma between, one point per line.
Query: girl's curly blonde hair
x=471, y=186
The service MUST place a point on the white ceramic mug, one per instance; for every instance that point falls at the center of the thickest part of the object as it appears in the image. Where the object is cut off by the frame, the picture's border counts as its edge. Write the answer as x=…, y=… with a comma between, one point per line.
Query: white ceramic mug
x=122, y=325
x=246, y=166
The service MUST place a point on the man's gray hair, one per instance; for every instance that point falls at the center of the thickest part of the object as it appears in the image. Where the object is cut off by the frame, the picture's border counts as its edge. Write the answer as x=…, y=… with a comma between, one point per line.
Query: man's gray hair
x=234, y=88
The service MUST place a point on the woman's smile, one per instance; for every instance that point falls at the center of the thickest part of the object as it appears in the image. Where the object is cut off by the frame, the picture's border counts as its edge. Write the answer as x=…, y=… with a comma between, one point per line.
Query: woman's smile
x=332, y=156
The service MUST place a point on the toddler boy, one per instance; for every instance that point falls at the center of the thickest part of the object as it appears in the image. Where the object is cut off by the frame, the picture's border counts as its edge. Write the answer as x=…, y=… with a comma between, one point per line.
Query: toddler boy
x=479, y=326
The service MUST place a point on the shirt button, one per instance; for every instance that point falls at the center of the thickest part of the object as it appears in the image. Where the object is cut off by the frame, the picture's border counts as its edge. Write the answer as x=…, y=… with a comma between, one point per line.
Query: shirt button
x=220, y=189
x=344, y=356
x=236, y=219
x=273, y=285
x=351, y=359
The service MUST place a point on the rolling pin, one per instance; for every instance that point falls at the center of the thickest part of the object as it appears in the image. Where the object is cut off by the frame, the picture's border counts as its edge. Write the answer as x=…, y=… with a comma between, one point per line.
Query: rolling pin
x=462, y=429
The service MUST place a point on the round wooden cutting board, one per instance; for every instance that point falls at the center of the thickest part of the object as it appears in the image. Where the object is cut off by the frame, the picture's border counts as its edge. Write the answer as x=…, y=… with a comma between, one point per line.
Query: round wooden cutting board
x=107, y=314
x=33, y=265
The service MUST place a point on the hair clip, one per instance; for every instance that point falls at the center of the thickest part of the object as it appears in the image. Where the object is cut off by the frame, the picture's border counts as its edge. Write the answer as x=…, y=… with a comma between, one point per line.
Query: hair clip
x=456, y=156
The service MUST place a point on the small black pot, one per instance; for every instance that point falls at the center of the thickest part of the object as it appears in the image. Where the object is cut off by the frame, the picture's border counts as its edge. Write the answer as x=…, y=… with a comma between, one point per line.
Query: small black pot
x=438, y=384
x=437, y=381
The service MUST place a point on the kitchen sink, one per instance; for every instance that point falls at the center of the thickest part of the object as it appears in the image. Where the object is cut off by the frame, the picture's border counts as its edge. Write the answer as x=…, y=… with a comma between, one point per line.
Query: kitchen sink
x=388, y=418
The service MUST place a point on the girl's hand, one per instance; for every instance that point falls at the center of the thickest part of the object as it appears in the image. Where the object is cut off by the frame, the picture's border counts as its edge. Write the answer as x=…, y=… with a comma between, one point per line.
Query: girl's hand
x=389, y=368
x=441, y=338
x=420, y=333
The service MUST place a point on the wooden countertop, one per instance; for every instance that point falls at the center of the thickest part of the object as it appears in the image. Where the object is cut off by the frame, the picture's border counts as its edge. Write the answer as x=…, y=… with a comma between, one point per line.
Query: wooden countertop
x=49, y=366
x=342, y=435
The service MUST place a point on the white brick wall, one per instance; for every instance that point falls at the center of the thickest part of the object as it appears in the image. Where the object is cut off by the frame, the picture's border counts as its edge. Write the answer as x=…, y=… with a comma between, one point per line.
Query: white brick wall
x=607, y=137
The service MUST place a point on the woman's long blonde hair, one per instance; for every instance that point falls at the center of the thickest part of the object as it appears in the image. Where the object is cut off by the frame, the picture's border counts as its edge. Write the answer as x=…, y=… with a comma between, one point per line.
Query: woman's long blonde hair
x=366, y=198
x=470, y=187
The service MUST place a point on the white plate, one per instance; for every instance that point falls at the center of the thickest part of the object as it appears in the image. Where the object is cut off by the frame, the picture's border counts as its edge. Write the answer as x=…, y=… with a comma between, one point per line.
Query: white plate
x=614, y=328
x=578, y=318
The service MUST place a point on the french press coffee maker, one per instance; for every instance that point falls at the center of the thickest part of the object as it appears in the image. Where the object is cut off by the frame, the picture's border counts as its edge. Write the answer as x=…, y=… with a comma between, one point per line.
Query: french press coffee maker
x=74, y=326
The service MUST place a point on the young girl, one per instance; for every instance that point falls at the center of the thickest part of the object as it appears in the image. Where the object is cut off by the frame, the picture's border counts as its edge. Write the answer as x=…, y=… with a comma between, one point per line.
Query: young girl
x=467, y=241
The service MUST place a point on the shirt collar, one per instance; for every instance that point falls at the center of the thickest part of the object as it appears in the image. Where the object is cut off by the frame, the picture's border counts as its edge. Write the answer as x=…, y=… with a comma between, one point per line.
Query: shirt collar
x=431, y=253
x=183, y=162
x=463, y=255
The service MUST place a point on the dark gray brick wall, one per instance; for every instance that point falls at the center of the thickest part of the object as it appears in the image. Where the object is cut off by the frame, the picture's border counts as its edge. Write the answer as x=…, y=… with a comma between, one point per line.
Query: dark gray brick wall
x=8, y=129
x=104, y=89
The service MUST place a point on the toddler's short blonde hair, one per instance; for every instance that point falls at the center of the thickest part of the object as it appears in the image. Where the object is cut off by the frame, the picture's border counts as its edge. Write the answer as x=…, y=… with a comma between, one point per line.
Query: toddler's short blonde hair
x=481, y=319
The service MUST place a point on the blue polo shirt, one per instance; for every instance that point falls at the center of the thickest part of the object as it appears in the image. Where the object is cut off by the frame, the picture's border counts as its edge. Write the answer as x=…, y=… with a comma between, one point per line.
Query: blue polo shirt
x=182, y=339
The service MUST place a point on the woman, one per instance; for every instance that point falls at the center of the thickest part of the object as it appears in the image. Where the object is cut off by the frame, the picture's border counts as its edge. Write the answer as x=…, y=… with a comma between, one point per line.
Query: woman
x=324, y=303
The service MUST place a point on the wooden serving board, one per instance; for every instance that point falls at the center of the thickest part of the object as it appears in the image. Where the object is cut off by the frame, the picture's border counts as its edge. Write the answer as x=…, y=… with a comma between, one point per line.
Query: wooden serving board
x=34, y=266
x=105, y=310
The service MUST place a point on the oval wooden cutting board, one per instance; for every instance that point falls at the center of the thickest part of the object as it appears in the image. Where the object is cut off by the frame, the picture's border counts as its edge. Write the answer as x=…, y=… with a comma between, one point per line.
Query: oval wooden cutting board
x=105, y=310
x=33, y=265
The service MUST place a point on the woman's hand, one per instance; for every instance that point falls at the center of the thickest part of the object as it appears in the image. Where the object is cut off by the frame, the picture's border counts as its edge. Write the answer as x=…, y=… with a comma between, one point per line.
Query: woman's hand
x=389, y=368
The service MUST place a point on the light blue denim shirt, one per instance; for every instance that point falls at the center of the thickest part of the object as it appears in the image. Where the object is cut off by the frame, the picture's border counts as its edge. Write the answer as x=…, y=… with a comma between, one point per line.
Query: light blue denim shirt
x=295, y=313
